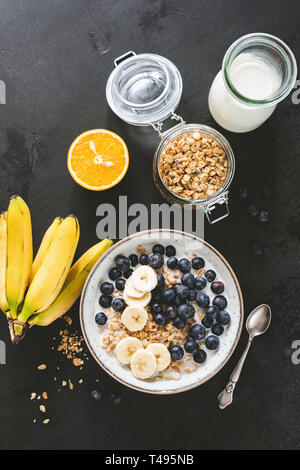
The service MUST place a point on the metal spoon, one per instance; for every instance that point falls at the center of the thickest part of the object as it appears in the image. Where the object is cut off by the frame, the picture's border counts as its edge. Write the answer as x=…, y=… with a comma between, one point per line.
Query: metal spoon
x=257, y=323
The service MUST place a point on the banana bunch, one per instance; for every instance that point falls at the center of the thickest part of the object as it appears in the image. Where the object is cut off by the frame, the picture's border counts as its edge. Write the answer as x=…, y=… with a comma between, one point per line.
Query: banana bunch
x=37, y=292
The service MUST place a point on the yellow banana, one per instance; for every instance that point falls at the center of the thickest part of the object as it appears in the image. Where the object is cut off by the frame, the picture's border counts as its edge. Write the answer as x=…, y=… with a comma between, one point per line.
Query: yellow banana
x=47, y=239
x=19, y=253
x=73, y=285
x=54, y=269
x=3, y=262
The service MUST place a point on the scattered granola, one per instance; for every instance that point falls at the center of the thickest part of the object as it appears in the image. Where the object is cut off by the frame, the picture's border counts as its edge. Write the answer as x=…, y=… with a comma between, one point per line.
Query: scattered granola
x=43, y=408
x=42, y=367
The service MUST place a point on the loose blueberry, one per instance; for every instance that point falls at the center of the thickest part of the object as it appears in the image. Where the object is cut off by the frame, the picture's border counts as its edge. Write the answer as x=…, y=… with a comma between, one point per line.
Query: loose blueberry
x=134, y=259
x=122, y=263
x=156, y=294
x=210, y=275
x=171, y=312
x=197, y=332
x=156, y=261
x=257, y=250
x=207, y=322
x=170, y=250
x=96, y=395
x=128, y=273
x=160, y=319
x=100, y=318
x=263, y=216
x=172, y=262
x=217, y=287
x=200, y=356
x=191, y=346
x=144, y=259
x=179, y=323
x=117, y=401
x=212, y=312
x=192, y=295
x=158, y=249
x=184, y=265
x=220, y=302
x=243, y=193
x=181, y=291
x=120, y=284
x=160, y=280
x=188, y=279
x=185, y=311
x=176, y=352
x=212, y=342
x=118, y=305
x=107, y=288
x=198, y=263
x=156, y=308
x=223, y=318
x=168, y=296
x=202, y=300
x=253, y=211
x=114, y=274
x=105, y=301
x=200, y=283
x=217, y=329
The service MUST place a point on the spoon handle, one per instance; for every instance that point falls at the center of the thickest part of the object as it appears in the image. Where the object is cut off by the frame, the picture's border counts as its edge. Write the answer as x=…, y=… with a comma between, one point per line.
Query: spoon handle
x=226, y=396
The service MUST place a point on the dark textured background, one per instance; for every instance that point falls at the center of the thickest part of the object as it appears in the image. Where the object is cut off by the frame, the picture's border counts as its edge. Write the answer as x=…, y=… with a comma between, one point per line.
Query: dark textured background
x=55, y=57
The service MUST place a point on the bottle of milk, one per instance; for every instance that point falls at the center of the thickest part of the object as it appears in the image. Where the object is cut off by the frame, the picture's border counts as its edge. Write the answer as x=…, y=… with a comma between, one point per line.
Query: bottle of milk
x=258, y=71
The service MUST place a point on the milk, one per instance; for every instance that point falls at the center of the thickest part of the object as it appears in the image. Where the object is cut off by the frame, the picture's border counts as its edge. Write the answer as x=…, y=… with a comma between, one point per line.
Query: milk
x=255, y=79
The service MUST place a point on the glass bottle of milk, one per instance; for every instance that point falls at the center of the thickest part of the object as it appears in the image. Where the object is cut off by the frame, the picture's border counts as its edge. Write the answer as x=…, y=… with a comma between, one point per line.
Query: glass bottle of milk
x=258, y=71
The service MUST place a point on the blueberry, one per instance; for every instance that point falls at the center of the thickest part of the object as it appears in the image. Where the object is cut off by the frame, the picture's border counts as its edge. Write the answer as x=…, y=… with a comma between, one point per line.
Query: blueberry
x=212, y=342
x=217, y=329
x=170, y=250
x=181, y=291
x=107, y=288
x=160, y=280
x=156, y=308
x=118, y=305
x=128, y=273
x=217, y=287
x=100, y=318
x=144, y=259
x=179, y=323
x=117, y=401
x=156, y=261
x=197, y=332
x=134, y=259
x=198, y=263
x=210, y=275
x=200, y=356
x=172, y=262
x=160, y=319
x=105, y=301
x=253, y=211
x=263, y=216
x=96, y=395
x=177, y=301
x=120, y=284
x=191, y=346
x=184, y=265
x=223, y=318
x=188, y=279
x=220, y=302
x=212, y=312
x=200, y=283
x=171, y=312
x=156, y=294
x=192, y=295
x=176, y=352
x=185, y=311
x=207, y=322
x=122, y=263
x=202, y=300
x=114, y=274
x=158, y=249
x=243, y=193
x=257, y=250
x=167, y=296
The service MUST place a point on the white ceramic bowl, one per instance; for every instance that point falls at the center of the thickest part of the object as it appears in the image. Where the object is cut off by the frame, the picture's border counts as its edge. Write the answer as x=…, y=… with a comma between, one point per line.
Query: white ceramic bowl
x=186, y=244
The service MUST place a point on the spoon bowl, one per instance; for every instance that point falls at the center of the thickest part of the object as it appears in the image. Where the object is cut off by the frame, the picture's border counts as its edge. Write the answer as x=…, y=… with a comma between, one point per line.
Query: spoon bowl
x=259, y=320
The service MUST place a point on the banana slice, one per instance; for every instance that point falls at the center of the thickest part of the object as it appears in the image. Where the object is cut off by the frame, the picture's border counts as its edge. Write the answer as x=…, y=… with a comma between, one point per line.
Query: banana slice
x=126, y=348
x=143, y=364
x=142, y=302
x=134, y=318
x=131, y=291
x=144, y=279
x=161, y=355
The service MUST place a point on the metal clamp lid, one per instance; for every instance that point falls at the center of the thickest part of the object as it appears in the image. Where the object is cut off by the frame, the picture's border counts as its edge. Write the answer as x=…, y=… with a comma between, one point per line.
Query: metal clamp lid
x=220, y=204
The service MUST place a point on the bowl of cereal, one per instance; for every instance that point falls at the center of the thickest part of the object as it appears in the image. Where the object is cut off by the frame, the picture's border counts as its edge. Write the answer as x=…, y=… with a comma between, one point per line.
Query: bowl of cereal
x=161, y=311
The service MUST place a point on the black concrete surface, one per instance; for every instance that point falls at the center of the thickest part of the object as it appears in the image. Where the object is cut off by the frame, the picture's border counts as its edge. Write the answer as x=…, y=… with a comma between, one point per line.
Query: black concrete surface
x=55, y=58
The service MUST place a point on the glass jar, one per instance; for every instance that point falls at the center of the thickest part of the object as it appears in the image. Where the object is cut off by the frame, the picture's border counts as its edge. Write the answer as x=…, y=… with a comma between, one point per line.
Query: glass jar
x=145, y=90
x=258, y=71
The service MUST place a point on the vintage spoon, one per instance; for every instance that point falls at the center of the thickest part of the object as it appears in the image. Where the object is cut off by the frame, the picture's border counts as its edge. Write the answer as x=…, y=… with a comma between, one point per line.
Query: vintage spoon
x=257, y=323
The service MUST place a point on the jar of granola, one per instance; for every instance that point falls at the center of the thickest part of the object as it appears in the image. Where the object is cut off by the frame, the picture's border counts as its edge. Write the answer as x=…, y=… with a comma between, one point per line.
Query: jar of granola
x=193, y=164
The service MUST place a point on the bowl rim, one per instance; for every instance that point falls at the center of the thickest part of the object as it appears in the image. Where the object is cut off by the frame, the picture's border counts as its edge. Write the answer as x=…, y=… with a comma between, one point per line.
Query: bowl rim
x=198, y=383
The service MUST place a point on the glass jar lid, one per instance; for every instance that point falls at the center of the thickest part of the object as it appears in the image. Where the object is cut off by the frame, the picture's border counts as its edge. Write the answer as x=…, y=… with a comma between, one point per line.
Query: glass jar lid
x=143, y=89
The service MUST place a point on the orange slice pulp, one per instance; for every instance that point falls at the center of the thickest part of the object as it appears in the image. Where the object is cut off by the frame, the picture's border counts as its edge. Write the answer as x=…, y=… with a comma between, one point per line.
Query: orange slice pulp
x=98, y=159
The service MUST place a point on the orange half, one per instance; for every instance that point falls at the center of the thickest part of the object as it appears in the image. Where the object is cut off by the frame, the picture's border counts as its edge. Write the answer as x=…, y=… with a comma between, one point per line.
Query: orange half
x=98, y=159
